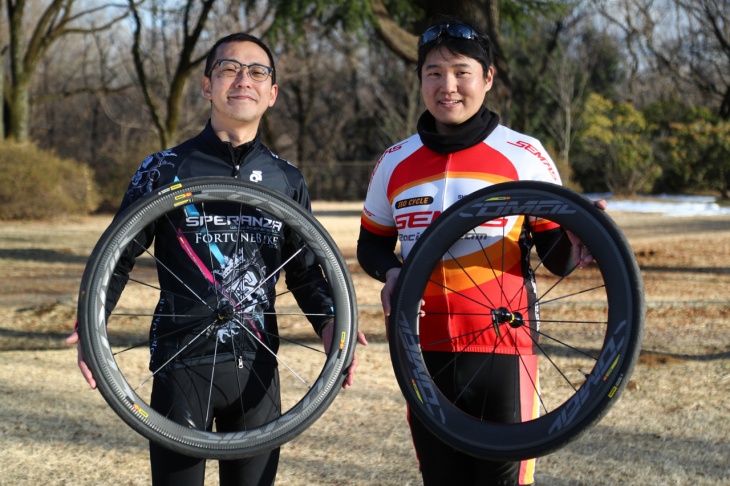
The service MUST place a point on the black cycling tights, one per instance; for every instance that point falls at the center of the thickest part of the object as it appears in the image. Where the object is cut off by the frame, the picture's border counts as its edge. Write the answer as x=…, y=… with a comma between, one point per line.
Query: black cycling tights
x=240, y=398
x=486, y=386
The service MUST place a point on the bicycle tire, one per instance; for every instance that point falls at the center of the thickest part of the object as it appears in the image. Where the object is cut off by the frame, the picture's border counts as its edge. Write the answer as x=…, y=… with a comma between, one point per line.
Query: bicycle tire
x=609, y=347
x=114, y=358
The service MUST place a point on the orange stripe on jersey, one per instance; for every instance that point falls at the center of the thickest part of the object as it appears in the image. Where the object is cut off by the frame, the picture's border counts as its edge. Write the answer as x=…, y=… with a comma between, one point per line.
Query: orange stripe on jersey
x=473, y=270
x=376, y=228
x=422, y=166
x=483, y=263
x=412, y=185
x=529, y=407
x=474, y=283
x=540, y=224
x=479, y=176
x=394, y=191
x=483, y=158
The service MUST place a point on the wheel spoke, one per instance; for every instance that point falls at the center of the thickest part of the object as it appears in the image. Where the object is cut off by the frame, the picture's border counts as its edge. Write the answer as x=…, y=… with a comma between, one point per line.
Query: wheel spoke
x=214, y=317
x=499, y=327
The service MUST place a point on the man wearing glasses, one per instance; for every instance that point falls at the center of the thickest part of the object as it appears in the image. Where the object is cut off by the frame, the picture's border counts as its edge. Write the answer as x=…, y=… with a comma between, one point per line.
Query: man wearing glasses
x=460, y=147
x=240, y=83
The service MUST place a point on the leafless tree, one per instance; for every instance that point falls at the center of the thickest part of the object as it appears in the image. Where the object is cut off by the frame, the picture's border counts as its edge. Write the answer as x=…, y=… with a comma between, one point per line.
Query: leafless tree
x=3, y=49
x=686, y=41
x=173, y=64
x=71, y=89
x=167, y=51
x=27, y=46
x=566, y=85
x=705, y=57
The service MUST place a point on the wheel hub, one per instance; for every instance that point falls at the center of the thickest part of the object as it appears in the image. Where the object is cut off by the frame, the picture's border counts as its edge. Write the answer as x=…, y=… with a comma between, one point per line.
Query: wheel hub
x=503, y=315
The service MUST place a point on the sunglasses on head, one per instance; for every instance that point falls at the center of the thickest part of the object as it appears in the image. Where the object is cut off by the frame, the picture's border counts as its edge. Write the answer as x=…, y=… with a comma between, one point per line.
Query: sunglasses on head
x=459, y=31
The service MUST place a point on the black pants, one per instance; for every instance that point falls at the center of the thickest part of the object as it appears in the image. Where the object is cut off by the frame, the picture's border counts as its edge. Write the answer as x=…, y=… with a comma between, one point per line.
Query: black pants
x=468, y=378
x=240, y=398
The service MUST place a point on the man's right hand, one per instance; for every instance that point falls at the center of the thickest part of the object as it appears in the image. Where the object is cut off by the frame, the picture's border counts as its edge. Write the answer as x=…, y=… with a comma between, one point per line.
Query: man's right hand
x=391, y=277
x=73, y=338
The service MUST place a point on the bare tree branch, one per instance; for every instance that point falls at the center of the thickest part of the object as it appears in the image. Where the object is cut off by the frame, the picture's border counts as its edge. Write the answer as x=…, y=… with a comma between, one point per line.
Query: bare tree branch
x=400, y=41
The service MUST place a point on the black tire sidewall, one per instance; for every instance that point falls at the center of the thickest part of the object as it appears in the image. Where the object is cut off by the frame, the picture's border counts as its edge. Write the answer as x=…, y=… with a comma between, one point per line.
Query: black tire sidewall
x=133, y=410
x=541, y=436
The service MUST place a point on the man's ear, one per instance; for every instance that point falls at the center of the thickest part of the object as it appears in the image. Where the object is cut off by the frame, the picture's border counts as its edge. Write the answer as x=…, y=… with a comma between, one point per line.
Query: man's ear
x=489, y=78
x=274, y=94
x=207, y=88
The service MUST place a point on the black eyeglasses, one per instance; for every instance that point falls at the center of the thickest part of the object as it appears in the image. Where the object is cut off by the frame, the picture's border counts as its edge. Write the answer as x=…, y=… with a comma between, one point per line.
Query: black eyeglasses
x=232, y=68
x=459, y=31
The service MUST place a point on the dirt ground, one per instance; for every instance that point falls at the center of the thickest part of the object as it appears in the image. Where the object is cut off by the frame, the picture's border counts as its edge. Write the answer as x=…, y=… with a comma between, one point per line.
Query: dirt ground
x=669, y=428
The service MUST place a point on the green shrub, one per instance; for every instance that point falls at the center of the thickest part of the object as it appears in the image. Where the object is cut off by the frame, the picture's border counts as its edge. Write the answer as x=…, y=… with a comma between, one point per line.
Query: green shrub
x=36, y=184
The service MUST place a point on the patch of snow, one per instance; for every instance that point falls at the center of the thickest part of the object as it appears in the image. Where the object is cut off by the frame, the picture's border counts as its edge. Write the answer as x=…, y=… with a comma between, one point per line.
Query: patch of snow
x=668, y=205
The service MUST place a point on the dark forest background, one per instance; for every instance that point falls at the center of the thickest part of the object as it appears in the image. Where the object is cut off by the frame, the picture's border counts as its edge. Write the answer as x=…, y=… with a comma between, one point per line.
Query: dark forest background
x=630, y=97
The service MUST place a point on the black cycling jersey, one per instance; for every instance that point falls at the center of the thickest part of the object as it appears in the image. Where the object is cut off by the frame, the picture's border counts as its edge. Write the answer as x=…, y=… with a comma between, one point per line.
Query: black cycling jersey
x=220, y=254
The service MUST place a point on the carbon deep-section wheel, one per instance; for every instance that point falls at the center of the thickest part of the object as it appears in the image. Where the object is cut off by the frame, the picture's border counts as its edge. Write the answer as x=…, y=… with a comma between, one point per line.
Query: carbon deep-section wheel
x=227, y=298
x=533, y=301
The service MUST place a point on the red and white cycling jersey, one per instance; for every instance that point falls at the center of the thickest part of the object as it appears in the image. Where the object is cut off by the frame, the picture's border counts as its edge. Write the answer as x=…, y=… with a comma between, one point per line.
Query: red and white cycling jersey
x=412, y=184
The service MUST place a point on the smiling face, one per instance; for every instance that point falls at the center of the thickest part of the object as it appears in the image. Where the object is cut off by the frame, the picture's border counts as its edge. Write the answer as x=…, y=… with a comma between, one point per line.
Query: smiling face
x=453, y=88
x=238, y=103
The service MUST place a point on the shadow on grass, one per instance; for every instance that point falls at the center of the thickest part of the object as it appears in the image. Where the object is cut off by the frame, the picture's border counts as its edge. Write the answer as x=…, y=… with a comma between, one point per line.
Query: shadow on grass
x=14, y=340
x=42, y=255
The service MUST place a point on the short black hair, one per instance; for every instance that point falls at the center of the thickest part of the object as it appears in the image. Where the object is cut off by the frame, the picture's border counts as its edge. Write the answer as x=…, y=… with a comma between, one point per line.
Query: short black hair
x=479, y=49
x=239, y=37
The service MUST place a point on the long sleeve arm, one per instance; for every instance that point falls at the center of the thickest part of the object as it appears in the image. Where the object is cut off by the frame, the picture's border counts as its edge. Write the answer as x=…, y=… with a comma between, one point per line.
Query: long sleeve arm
x=555, y=251
x=376, y=254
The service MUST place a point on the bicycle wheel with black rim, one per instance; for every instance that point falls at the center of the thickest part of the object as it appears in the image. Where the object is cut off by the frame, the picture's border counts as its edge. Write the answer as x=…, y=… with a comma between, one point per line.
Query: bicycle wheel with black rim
x=116, y=342
x=582, y=328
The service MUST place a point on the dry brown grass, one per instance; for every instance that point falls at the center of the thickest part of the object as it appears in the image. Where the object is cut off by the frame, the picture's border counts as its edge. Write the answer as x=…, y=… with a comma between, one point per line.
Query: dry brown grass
x=670, y=427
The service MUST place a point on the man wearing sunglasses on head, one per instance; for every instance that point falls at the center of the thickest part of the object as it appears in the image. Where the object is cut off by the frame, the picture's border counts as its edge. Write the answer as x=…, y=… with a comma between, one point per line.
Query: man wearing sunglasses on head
x=240, y=83
x=460, y=147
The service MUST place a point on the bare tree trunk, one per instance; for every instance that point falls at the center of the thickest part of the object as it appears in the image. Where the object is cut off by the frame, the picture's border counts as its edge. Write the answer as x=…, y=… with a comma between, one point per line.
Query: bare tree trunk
x=398, y=40
x=725, y=107
x=18, y=89
x=3, y=50
x=55, y=21
x=167, y=124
